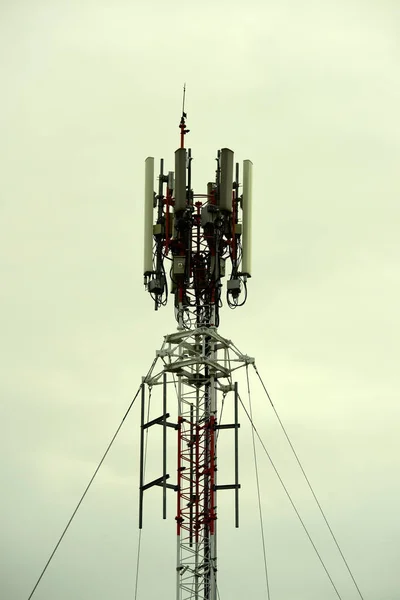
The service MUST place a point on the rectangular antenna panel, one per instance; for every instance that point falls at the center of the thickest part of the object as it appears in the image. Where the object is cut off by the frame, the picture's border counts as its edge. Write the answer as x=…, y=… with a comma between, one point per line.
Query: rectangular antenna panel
x=226, y=184
x=180, y=179
x=246, y=216
x=148, y=215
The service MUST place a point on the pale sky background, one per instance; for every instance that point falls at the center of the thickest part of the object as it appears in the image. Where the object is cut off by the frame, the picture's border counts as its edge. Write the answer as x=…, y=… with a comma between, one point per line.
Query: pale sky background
x=310, y=91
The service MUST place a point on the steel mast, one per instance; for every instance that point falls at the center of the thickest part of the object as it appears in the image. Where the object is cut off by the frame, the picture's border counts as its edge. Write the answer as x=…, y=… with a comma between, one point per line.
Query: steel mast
x=191, y=239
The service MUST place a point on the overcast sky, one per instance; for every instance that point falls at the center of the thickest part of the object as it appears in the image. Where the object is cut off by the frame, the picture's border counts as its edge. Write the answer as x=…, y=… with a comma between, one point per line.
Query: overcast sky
x=310, y=91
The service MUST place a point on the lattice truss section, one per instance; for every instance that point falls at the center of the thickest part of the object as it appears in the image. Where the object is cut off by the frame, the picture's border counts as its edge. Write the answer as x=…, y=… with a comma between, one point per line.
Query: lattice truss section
x=198, y=365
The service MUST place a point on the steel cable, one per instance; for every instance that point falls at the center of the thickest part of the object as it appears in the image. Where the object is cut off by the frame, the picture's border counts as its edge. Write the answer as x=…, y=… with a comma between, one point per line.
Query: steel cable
x=290, y=500
x=144, y=471
x=87, y=489
x=308, y=483
x=258, y=486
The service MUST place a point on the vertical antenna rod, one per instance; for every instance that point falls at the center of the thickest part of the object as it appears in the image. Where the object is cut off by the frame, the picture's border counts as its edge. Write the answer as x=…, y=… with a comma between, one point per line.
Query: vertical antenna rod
x=182, y=124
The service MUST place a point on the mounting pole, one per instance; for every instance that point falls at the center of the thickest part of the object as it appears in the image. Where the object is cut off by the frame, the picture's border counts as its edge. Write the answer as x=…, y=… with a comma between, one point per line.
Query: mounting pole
x=182, y=124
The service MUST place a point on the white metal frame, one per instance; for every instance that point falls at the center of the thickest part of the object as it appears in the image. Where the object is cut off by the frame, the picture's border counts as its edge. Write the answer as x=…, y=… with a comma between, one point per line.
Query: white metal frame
x=199, y=364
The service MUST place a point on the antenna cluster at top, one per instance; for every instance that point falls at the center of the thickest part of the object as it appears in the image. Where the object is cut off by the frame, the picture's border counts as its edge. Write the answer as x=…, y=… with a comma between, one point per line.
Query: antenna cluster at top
x=193, y=242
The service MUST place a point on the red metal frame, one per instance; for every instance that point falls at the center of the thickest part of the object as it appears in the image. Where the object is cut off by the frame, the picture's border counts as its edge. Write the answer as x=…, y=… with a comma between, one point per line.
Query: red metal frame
x=199, y=476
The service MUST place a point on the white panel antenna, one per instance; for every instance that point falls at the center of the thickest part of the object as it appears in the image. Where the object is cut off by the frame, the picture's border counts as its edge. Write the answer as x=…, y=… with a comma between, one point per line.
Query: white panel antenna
x=225, y=199
x=180, y=179
x=247, y=216
x=148, y=215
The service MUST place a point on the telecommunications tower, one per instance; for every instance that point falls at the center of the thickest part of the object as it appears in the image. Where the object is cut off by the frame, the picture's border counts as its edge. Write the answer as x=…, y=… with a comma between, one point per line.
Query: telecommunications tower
x=192, y=243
